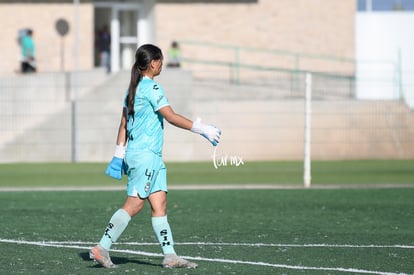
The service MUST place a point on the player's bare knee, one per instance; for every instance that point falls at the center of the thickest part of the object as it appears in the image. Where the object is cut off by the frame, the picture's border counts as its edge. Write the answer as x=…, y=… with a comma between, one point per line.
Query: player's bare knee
x=158, y=212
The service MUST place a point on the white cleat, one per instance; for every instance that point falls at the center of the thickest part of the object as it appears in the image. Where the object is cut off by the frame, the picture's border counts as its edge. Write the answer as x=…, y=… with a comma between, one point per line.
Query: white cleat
x=100, y=255
x=173, y=261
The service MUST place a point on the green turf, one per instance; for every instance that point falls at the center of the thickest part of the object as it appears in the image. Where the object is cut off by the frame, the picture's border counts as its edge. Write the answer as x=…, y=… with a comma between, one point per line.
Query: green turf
x=276, y=172
x=291, y=217
x=346, y=216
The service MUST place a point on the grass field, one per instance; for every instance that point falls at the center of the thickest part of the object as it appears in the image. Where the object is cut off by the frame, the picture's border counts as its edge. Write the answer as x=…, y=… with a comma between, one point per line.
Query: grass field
x=348, y=173
x=361, y=229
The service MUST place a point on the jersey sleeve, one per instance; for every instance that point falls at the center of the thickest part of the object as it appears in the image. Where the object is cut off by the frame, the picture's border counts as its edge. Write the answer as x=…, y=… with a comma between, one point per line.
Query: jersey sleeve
x=157, y=97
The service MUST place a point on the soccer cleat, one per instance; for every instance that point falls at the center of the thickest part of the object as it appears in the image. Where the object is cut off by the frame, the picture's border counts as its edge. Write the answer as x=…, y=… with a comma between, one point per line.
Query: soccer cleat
x=100, y=255
x=173, y=261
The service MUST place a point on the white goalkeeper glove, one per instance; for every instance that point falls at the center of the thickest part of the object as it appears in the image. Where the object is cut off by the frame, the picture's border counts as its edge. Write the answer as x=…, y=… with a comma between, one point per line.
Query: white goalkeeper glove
x=210, y=132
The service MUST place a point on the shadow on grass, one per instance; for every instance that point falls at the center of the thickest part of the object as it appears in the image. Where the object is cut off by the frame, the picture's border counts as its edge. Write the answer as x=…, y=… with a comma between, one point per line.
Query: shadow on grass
x=117, y=261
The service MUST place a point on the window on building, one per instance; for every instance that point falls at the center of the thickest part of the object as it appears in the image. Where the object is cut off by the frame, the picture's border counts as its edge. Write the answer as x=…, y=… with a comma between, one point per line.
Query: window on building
x=385, y=5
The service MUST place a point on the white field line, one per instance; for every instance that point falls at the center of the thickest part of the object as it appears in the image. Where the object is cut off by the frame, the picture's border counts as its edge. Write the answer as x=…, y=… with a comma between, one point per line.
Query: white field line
x=249, y=244
x=251, y=186
x=81, y=245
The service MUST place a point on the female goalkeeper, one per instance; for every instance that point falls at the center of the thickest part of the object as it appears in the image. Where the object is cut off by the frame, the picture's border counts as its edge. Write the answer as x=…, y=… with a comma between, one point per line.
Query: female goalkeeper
x=138, y=153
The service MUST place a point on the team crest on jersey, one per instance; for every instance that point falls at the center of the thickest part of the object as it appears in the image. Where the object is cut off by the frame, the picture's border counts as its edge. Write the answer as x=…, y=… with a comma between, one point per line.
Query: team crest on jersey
x=147, y=187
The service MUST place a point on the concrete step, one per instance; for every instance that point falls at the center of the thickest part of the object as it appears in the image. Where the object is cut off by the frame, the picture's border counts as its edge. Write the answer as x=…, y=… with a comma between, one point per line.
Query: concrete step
x=257, y=124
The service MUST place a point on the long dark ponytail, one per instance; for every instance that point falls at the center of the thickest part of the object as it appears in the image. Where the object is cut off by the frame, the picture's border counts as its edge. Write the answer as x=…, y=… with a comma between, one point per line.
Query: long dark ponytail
x=143, y=57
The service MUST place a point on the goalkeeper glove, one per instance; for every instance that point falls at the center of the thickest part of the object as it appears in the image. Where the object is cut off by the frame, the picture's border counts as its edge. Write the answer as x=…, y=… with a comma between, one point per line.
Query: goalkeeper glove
x=210, y=132
x=117, y=165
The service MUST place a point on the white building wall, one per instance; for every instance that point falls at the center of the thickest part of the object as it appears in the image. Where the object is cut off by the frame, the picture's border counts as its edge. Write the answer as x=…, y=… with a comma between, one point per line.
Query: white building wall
x=382, y=39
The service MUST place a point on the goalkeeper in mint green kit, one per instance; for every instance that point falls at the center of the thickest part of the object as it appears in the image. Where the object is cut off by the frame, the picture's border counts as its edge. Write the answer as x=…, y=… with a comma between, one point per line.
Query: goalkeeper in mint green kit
x=138, y=153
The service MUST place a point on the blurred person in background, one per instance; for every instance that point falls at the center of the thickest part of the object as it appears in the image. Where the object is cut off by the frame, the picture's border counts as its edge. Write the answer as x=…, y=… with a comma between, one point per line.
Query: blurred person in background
x=174, y=55
x=28, y=64
x=104, y=47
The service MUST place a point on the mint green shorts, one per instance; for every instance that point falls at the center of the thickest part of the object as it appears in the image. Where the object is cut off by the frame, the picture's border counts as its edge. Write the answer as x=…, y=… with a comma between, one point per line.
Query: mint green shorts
x=147, y=174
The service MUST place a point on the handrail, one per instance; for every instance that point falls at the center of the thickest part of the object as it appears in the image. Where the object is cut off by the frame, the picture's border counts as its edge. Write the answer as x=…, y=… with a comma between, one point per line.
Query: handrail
x=266, y=68
x=332, y=66
x=271, y=51
x=237, y=64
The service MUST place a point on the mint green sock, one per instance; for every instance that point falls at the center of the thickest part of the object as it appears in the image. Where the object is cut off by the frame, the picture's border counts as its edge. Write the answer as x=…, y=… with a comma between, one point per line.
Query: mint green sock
x=116, y=226
x=163, y=233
